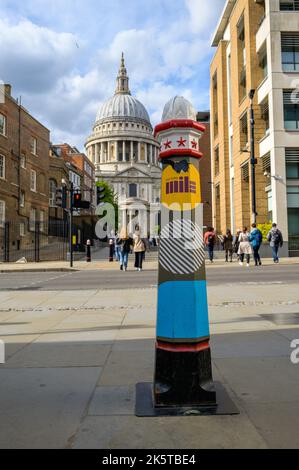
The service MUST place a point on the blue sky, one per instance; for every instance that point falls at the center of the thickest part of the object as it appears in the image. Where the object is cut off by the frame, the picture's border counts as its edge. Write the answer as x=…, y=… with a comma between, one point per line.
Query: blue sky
x=62, y=56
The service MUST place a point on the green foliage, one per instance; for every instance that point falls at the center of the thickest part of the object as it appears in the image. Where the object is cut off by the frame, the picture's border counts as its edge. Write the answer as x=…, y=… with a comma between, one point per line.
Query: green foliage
x=110, y=198
x=265, y=229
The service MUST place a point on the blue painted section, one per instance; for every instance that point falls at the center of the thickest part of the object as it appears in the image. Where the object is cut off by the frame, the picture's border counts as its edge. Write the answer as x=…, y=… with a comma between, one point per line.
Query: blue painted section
x=183, y=310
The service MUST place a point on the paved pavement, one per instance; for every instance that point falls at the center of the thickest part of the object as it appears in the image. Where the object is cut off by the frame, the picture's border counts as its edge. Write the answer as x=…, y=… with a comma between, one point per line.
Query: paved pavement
x=73, y=357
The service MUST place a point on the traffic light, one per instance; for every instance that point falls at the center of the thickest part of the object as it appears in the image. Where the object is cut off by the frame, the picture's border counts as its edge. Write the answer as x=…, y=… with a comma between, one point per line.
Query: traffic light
x=61, y=197
x=77, y=200
x=100, y=194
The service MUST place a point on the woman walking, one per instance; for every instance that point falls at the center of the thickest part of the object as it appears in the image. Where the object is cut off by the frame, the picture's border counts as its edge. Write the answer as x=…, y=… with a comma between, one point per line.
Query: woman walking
x=138, y=248
x=124, y=242
x=228, y=245
x=244, y=247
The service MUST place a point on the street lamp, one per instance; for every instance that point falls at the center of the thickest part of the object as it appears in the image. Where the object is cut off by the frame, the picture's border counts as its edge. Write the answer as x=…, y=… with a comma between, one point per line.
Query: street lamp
x=252, y=158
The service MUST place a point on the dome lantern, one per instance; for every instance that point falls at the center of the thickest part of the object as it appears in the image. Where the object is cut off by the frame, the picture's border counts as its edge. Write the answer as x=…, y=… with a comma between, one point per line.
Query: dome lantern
x=122, y=81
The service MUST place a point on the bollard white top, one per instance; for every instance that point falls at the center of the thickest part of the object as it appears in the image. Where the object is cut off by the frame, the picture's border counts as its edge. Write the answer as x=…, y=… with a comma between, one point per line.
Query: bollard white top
x=178, y=108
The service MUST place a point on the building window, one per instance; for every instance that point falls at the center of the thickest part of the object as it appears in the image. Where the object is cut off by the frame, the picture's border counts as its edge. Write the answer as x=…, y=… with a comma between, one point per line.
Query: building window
x=2, y=124
x=290, y=52
x=242, y=58
x=263, y=61
x=33, y=146
x=293, y=196
x=132, y=190
x=292, y=163
x=291, y=109
x=33, y=180
x=22, y=229
x=2, y=166
x=215, y=103
x=266, y=164
x=42, y=221
x=23, y=161
x=289, y=5
x=264, y=106
x=216, y=154
x=2, y=213
x=244, y=131
x=52, y=193
x=245, y=172
x=22, y=199
x=32, y=219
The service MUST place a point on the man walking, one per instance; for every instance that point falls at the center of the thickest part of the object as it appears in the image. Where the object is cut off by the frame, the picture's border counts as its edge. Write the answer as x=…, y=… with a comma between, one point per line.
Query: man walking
x=256, y=238
x=210, y=239
x=276, y=241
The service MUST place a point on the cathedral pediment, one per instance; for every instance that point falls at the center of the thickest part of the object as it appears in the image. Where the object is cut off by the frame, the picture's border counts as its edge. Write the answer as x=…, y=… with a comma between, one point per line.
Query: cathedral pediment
x=133, y=173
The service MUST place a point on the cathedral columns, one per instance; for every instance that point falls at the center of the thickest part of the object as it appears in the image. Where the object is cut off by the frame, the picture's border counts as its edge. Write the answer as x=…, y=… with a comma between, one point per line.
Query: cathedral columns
x=145, y=152
x=124, y=150
x=116, y=150
x=139, y=151
x=131, y=151
x=108, y=150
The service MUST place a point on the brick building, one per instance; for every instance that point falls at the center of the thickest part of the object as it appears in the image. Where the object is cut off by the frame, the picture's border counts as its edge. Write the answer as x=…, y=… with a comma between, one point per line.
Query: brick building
x=24, y=170
x=257, y=45
x=205, y=168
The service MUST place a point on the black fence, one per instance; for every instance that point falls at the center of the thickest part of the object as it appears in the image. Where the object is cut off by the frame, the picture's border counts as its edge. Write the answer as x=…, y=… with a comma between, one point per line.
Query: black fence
x=41, y=241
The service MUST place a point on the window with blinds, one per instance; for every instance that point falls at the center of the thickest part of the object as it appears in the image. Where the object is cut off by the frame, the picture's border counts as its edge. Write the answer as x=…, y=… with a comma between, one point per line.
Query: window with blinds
x=292, y=163
x=244, y=131
x=291, y=109
x=290, y=51
x=266, y=163
x=245, y=172
x=264, y=106
x=289, y=5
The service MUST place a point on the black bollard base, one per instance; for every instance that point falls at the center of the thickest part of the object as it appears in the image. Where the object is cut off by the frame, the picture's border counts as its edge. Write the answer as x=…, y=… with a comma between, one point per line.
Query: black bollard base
x=183, y=378
x=144, y=405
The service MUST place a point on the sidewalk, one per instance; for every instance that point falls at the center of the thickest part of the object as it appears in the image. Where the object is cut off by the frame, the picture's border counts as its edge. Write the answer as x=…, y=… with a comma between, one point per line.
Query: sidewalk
x=151, y=262
x=73, y=359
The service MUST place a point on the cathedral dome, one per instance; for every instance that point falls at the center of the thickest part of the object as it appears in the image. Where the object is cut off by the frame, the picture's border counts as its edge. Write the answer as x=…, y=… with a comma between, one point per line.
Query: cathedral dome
x=123, y=105
x=178, y=108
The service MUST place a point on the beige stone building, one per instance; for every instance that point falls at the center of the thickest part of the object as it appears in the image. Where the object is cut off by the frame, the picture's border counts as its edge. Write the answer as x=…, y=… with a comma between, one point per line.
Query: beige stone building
x=257, y=45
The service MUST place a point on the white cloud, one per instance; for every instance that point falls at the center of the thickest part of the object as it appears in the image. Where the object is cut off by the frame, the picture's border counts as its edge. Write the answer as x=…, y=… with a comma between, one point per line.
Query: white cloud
x=35, y=57
x=203, y=14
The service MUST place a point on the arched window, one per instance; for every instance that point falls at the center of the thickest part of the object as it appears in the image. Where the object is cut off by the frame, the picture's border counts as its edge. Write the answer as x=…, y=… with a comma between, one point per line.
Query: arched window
x=52, y=192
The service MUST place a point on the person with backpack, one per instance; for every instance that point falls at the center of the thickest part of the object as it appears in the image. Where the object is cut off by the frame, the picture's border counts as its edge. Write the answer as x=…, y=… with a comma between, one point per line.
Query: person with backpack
x=228, y=245
x=210, y=240
x=256, y=238
x=275, y=239
x=124, y=242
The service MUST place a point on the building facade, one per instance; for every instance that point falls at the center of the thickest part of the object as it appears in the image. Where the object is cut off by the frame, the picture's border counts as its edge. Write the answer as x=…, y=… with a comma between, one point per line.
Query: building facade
x=125, y=153
x=24, y=170
x=257, y=49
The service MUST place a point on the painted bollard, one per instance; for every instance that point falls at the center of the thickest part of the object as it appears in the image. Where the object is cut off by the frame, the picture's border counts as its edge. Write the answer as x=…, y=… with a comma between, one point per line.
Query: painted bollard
x=183, y=373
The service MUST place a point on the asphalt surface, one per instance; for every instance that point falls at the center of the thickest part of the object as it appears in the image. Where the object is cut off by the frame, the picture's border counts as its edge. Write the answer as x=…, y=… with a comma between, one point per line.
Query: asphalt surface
x=84, y=280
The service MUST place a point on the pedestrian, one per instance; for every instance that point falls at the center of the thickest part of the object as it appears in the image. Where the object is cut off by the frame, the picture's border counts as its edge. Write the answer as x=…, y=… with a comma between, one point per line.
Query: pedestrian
x=88, y=251
x=228, y=245
x=138, y=248
x=117, y=248
x=275, y=239
x=256, y=238
x=124, y=242
x=210, y=240
x=111, y=249
x=237, y=243
x=244, y=247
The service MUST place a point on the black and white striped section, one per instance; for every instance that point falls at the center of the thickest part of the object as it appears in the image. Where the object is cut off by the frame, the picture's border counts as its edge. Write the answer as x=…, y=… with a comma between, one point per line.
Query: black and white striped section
x=181, y=247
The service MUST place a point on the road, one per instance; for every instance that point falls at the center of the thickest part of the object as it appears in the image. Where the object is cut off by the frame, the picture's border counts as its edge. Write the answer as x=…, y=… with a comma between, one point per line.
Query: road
x=84, y=280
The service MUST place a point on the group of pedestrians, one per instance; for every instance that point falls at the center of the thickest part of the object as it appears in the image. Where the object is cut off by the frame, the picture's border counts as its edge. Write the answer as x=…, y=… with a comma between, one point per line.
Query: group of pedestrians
x=244, y=244
x=124, y=244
